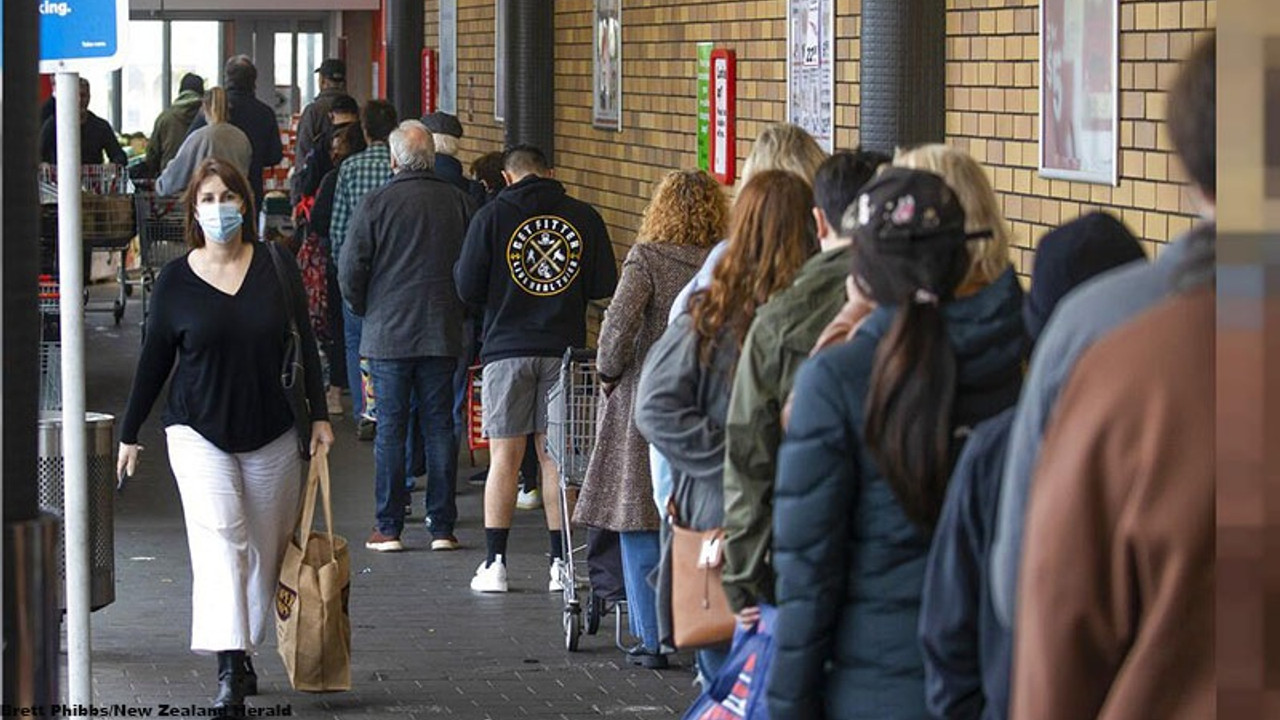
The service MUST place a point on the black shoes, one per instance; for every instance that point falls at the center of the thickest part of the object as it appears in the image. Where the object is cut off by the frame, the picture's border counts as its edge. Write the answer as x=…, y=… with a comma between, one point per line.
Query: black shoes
x=640, y=655
x=231, y=683
x=250, y=677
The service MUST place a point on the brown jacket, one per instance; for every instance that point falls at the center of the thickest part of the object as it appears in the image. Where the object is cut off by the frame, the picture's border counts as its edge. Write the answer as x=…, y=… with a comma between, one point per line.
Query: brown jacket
x=1116, y=595
x=617, y=491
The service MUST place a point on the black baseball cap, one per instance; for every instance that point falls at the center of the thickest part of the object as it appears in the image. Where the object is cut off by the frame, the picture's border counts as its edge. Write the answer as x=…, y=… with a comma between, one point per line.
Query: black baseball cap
x=901, y=205
x=442, y=123
x=334, y=69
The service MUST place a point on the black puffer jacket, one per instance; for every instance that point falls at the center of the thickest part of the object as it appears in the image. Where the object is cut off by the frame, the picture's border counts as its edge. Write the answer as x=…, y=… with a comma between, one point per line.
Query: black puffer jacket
x=534, y=258
x=849, y=563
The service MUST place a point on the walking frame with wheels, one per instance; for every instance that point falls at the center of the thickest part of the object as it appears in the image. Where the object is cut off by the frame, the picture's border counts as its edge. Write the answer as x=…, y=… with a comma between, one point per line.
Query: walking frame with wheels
x=571, y=433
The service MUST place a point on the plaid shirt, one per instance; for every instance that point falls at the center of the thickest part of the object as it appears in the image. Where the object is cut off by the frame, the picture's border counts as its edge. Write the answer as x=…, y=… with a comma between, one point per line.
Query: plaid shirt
x=366, y=170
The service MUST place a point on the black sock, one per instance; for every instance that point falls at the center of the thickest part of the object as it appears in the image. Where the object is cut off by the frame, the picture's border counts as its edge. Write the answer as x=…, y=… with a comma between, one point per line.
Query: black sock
x=495, y=539
x=556, y=545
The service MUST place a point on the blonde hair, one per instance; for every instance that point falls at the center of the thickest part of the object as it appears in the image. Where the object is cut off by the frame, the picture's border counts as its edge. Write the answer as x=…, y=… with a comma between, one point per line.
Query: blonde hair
x=988, y=257
x=688, y=208
x=445, y=144
x=784, y=147
x=215, y=106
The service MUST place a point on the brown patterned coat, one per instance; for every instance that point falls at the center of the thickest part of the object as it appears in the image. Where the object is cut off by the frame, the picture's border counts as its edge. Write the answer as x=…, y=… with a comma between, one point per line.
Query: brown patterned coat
x=617, y=489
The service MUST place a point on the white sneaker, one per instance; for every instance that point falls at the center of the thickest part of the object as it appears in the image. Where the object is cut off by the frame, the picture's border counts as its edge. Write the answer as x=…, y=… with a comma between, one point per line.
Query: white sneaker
x=556, y=572
x=491, y=578
x=531, y=500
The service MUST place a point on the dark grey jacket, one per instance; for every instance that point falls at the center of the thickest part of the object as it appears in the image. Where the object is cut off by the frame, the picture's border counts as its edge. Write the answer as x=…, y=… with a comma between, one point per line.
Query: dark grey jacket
x=396, y=269
x=680, y=409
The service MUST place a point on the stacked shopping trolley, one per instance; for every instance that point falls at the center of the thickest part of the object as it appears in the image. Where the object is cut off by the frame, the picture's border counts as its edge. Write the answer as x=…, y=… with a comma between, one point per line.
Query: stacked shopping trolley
x=106, y=218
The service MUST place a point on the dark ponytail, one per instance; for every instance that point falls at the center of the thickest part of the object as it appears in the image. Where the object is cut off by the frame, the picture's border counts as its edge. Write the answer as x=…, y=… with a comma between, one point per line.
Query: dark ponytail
x=908, y=413
x=907, y=422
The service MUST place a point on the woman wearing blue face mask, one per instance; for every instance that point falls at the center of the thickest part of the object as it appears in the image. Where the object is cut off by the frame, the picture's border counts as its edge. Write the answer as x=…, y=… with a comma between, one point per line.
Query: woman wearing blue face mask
x=220, y=313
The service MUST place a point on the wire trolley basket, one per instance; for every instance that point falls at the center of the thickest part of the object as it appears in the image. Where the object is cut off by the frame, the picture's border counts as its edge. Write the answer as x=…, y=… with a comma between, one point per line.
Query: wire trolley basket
x=161, y=238
x=107, y=222
x=572, y=406
x=50, y=345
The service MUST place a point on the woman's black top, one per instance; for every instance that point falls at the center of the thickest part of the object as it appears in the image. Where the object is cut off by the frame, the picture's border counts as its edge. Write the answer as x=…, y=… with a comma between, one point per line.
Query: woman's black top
x=229, y=349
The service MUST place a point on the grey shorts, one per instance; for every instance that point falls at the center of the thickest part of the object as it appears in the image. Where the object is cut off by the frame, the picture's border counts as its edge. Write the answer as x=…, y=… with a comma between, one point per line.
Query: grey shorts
x=515, y=395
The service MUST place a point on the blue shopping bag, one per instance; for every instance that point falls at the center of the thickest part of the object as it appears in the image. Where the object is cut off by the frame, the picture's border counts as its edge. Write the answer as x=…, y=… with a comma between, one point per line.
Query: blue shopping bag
x=737, y=692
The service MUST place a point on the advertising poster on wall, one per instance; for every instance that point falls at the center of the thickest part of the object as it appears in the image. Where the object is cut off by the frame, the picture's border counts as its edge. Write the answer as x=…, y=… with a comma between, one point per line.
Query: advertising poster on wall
x=811, y=73
x=1079, y=78
x=606, y=103
x=447, y=101
x=704, y=105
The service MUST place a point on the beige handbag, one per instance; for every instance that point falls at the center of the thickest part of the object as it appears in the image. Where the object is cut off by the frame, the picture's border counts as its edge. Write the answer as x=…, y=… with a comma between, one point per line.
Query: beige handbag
x=700, y=614
x=313, y=625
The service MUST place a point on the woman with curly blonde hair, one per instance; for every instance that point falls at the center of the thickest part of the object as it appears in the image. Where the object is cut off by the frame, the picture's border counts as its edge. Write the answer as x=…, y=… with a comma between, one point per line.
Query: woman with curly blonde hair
x=686, y=217
x=685, y=385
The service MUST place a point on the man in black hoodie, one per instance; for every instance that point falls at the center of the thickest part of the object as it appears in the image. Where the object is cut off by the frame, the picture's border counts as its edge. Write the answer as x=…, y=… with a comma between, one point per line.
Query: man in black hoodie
x=252, y=116
x=534, y=258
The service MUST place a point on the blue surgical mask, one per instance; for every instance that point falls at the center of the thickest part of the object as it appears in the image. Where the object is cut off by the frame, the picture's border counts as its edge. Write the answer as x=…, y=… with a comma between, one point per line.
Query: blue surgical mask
x=219, y=222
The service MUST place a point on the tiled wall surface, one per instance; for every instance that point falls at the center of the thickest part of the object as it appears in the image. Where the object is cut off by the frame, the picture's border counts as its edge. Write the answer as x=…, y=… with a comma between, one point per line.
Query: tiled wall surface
x=992, y=101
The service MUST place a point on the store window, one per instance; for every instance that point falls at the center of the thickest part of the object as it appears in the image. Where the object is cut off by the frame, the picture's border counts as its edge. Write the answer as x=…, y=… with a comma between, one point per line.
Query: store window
x=194, y=49
x=310, y=55
x=143, y=76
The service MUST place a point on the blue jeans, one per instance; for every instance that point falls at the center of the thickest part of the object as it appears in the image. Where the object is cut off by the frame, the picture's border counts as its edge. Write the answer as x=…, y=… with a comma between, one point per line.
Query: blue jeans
x=352, y=324
x=709, y=662
x=640, y=551
x=395, y=383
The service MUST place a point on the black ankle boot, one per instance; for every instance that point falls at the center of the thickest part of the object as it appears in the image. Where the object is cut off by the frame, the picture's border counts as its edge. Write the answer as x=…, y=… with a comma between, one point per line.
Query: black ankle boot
x=230, y=696
x=250, y=677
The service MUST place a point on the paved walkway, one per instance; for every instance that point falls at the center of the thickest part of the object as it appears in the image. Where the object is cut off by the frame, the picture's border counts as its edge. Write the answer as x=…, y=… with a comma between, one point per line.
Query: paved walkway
x=423, y=644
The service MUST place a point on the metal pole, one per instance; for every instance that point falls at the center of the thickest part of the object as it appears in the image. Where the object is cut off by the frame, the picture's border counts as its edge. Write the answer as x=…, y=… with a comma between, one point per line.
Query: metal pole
x=166, y=64
x=74, y=435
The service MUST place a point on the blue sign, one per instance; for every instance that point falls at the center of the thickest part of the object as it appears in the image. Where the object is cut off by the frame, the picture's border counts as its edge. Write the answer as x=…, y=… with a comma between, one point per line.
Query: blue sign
x=81, y=34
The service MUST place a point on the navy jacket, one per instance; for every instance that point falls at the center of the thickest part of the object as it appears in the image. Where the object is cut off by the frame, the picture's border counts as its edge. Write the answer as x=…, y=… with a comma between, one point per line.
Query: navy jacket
x=534, y=258
x=257, y=121
x=849, y=563
x=967, y=651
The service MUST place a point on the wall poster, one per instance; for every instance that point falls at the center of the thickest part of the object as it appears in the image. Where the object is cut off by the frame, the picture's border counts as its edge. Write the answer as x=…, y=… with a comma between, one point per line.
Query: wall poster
x=447, y=101
x=811, y=69
x=1079, y=90
x=500, y=60
x=606, y=103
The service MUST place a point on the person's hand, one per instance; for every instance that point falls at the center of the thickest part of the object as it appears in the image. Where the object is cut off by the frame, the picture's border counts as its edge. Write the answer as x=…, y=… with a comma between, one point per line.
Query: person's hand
x=126, y=463
x=321, y=437
x=749, y=616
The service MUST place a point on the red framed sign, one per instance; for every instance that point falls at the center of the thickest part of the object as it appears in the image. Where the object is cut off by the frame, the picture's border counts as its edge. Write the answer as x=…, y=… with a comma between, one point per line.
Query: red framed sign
x=430, y=85
x=724, y=115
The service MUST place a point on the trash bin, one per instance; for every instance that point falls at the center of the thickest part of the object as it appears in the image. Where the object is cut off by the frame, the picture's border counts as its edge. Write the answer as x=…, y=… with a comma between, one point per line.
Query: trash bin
x=50, y=473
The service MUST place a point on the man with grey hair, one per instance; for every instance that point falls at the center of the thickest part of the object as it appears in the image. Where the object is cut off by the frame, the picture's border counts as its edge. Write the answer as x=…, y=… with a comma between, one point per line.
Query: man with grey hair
x=395, y=273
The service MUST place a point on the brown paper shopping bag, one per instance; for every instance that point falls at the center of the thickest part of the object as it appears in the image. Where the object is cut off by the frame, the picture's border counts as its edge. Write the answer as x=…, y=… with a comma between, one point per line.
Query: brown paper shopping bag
x=313, y=626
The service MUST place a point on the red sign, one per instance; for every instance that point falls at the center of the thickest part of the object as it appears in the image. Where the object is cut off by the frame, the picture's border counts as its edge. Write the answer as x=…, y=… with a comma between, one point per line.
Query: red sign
x=430, y=85
x=724, y=115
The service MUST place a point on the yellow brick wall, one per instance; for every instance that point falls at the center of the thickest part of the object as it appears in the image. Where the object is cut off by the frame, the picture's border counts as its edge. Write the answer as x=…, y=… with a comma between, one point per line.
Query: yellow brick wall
x=992, y=100
x=993, y=106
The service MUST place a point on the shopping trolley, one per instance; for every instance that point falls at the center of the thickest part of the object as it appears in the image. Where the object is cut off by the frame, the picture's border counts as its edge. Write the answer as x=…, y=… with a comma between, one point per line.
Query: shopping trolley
x=161, y=238
x=106, y=218
x=571, y=432
x=50, y=345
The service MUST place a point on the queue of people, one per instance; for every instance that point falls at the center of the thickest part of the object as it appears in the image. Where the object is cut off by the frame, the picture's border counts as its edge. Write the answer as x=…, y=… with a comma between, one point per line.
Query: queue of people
x=950, y=496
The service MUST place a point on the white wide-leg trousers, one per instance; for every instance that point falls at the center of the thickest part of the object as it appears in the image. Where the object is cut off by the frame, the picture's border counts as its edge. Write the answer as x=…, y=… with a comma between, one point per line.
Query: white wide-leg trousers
x=240, y=509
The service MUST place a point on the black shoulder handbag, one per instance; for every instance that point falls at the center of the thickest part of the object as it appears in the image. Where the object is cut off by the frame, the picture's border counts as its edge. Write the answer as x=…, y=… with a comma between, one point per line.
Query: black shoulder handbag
x=292, y=370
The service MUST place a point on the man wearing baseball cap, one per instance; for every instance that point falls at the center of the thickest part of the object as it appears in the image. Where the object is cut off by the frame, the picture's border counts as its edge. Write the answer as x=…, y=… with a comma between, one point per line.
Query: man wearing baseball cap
x=315, y=123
